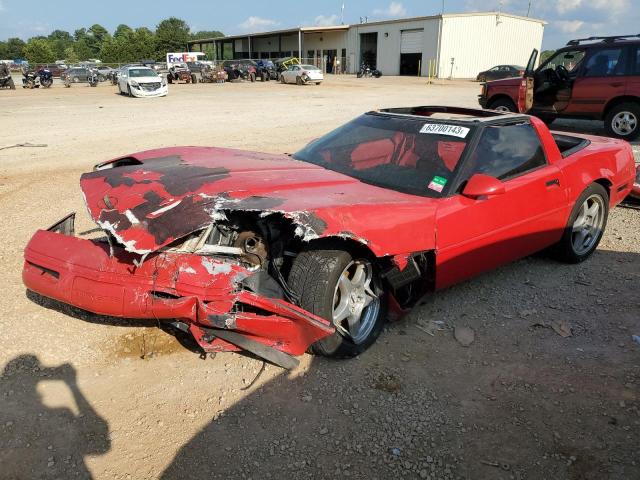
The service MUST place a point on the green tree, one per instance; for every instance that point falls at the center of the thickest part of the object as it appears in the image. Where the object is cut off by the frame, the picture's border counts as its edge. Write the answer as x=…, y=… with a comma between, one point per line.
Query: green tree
x=38, y=50
x=172, y=35
x=206, y=34
x=60, y=41
x=122, y=30
x=4, y=51
x=80, y=34
x=82, y=50
x=15, y=48
x=96, y=36
x=70, y=56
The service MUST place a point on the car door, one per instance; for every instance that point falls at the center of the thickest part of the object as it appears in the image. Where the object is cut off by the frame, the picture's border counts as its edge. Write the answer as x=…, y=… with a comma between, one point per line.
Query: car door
x=123, y=78
x=633, y=78
x=292, y=72
x=475, y=235
x=601, y=78
x=525, y=91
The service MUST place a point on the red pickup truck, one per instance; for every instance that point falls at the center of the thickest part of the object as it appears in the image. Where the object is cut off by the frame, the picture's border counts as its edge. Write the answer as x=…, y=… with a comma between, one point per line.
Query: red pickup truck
x=591, y=78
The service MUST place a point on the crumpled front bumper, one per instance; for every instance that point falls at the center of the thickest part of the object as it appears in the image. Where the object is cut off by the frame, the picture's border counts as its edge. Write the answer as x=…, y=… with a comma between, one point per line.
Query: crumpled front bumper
x=206, y=294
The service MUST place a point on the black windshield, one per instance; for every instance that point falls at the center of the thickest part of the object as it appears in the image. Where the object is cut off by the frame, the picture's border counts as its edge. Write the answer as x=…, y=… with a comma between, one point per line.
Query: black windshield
x=410, y=155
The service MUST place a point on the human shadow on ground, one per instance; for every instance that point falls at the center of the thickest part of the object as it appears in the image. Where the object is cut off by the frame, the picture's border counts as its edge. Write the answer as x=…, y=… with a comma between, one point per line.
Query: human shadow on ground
x=38, y=441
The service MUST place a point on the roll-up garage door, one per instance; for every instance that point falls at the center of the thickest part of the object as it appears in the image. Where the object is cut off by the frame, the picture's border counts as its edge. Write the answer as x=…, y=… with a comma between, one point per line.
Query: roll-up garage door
x=411, y=41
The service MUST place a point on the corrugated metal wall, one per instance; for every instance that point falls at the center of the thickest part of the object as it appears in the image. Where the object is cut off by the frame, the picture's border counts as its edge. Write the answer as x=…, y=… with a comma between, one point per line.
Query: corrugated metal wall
x=389, y=40
x=483, y=41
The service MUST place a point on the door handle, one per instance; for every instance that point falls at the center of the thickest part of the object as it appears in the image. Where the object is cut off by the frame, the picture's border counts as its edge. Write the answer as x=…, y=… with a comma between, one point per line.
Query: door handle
x=553, y=182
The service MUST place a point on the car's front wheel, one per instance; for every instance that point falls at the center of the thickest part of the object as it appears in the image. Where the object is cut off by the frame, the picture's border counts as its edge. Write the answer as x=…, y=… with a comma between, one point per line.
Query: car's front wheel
x=345, y=290
x=623, y=121
x=586, y=225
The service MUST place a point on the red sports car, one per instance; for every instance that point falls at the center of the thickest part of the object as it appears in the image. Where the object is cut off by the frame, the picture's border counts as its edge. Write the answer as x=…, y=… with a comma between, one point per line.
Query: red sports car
x=275, y=254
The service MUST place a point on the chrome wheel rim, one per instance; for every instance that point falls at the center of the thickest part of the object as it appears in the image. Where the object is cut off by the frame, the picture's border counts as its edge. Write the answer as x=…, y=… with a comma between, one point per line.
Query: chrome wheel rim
x=355, y=305
x=588, y=225
x=502, y=108
x=624, y=123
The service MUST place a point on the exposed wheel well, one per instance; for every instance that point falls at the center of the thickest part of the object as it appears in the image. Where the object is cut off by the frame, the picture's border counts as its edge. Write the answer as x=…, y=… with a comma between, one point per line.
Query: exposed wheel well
x=339, y=243
x=606, y=184
x=499, y=96
x=617, y=101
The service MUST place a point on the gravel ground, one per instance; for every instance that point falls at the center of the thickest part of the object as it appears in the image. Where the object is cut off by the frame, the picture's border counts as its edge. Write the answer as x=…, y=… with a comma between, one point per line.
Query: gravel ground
x=87, y=396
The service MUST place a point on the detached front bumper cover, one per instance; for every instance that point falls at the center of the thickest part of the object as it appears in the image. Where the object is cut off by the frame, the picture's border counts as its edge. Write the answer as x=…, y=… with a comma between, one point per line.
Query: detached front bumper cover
x=208, y=294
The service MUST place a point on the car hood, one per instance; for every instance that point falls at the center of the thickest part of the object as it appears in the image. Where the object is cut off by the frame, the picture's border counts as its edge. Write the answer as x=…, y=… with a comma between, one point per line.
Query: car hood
x=505, y=82
x=150, y=199
x=147, y=79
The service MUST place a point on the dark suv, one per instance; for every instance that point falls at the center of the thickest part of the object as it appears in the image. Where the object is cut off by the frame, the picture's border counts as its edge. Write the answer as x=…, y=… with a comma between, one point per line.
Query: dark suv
x=592, y=78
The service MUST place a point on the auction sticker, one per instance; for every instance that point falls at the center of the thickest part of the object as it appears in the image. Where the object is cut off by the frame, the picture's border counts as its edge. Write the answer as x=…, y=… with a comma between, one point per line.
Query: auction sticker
x=437, y=183
x=444, y=129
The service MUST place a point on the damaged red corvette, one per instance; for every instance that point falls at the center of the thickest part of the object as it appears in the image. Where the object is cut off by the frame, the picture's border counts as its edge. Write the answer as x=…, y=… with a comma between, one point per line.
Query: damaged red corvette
x=276, y=254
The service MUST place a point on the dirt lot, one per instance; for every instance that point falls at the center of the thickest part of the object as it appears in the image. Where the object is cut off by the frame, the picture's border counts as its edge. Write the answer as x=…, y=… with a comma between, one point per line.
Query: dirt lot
x=84, y=396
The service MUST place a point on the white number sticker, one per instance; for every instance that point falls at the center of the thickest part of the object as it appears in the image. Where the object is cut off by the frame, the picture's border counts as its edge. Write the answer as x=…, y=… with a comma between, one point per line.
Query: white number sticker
x=444, y=129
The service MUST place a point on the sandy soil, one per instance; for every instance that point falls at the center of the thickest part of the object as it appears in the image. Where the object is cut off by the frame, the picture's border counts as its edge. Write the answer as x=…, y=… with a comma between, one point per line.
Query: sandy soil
x=84, y=396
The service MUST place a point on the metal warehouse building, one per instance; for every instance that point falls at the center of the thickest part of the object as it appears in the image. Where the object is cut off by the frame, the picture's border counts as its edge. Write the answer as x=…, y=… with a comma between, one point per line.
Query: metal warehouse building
x=455, y=45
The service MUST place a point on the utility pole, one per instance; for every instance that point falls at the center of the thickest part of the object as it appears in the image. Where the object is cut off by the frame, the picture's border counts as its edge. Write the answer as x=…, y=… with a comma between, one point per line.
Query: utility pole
x=442, y=12
x=529, y=8
x=342, y=15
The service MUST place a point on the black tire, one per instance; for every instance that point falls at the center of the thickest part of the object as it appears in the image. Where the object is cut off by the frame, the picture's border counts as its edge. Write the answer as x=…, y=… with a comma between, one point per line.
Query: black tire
x=359, y=74
x=129, y=91
x=11, y=84
x=298, y=81
x=614, y=129
x=503, y=105
x=194, y=79
x=314, y=277
x=169, y=79
x=252, y=77
x=565, y=250
x=282, y=79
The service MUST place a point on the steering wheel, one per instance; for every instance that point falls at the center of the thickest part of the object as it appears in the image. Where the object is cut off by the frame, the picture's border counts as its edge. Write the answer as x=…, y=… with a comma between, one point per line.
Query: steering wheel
x=562, y=74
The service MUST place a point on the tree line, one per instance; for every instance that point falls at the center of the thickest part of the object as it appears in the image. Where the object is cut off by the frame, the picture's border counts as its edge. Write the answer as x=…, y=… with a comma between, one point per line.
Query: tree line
x=125, y=45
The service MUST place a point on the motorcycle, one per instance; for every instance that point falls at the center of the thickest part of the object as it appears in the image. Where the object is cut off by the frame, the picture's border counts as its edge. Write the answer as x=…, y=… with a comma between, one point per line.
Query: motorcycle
x=46, y=77
x=93, y=77
x=366, y=71
x=6, y=81
x=30, y=79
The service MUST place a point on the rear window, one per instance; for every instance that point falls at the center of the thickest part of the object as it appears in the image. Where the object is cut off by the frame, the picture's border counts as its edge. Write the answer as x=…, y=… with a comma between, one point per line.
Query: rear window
x=416, y=156
x=506, y=152
x=608, y=62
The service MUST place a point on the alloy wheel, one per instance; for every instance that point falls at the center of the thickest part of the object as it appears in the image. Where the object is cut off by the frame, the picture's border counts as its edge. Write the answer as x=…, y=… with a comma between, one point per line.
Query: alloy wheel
x=587, y=226
x=355, y=305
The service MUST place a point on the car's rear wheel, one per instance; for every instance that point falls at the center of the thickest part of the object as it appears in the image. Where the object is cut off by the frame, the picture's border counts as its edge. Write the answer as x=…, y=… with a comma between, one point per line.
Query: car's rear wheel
x=129, y=91
x=503, y=105
x=298, y=80
x=586, y=225
x=252, y=77
x=282, y=79
x=623, y=121
x=345, y=290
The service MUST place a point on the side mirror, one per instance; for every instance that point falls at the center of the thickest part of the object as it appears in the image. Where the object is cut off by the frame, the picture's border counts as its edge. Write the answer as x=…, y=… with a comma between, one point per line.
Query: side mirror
x=483, y=186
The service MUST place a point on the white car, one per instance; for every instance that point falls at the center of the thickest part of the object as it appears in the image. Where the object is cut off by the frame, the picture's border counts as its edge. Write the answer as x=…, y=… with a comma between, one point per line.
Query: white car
x=139, y=81
x=302, y=74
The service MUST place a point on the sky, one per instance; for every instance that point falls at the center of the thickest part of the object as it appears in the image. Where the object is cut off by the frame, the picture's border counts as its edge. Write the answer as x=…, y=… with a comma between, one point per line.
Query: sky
x=566, y=19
